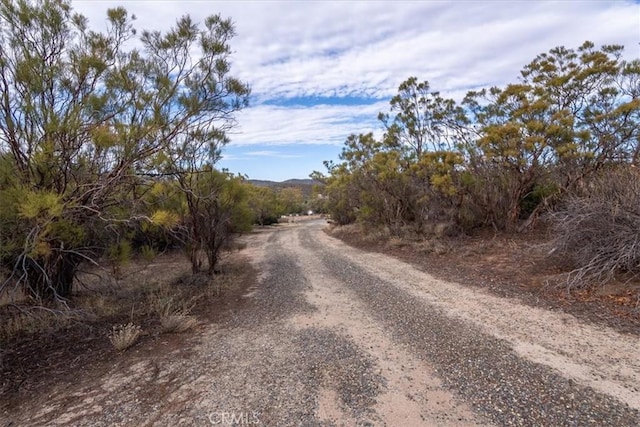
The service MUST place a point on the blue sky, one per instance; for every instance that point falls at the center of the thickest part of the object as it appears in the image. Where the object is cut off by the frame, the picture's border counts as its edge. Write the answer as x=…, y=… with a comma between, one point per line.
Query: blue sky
x=321, y=70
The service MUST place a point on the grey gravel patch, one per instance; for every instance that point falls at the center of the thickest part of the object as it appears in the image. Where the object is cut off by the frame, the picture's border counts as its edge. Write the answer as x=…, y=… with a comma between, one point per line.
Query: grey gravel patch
x=281, y=385
x=272, y=388
x=336, y=362
x=281, y=293
x=483, y=370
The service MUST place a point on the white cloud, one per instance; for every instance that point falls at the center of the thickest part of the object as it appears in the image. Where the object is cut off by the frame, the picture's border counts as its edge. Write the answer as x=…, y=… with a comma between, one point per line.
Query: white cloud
x=287, y=50
x=270, y=153
x=320, y=124
x=377, y=45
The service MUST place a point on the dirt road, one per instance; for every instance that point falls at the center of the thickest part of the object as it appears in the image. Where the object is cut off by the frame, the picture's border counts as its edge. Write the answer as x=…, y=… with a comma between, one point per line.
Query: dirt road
x=334, y=336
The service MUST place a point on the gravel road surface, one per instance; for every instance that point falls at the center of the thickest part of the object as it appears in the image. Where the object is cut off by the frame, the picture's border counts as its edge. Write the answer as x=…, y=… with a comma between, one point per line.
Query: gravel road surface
x=333, y=336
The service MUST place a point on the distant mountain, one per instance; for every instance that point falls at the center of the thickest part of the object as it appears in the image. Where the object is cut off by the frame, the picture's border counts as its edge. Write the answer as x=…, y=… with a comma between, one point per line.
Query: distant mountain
x=287, y=183
x=300, y=182
x=305, y=185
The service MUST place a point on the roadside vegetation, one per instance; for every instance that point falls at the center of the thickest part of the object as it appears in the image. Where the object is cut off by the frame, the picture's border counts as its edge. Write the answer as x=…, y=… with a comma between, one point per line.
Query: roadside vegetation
x=115, y=222
x=107, y=150
x=558, y=150
x=116, y=227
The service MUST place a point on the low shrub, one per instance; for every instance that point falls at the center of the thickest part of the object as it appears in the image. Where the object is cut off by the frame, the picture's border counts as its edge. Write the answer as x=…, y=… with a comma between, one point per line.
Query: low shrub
x=177, y=322
x=599, y=231
x=124, y=336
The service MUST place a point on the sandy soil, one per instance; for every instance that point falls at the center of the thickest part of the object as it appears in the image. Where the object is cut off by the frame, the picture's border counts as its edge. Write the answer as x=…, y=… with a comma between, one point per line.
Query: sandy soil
x=414, y=395
x=593, y=355
x=306, y=346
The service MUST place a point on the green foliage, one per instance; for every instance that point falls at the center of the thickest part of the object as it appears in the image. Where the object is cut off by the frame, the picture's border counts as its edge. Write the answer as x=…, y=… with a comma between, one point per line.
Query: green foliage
x=120, y=253
x=291, y=200
x=148, y=253
x=89, y=126
x=218, y=209
x=421, y=119
x=341, y=194
x=500, y=157
x=68, y=232
x=264, y=205
x=42, y=204
x=164, y=218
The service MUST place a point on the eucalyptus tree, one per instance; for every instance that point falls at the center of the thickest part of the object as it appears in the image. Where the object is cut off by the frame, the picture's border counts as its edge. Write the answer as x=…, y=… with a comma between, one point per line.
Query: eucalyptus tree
x=421, y=120
x=595, y=95
x=86, y=117
x=573, y=113
x=505, y=153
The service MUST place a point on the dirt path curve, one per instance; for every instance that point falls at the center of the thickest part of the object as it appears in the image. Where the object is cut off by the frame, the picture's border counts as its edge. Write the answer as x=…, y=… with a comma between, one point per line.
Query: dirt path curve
x=331, y=335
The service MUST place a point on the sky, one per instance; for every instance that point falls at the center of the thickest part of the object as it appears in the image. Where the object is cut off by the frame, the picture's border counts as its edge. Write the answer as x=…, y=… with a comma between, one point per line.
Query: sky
x=322, y=70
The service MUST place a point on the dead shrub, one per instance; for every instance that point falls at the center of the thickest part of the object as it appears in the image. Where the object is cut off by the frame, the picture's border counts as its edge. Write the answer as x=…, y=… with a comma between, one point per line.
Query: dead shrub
x=599, y=232
x=432, y=246
x=23, y=320
x=166, y=300
x=177, y=322
x=124, y=336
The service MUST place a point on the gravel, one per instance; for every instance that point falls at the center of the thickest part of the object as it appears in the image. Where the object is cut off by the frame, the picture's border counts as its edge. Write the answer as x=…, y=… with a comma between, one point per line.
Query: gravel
x=483, y=370
x=258, y=367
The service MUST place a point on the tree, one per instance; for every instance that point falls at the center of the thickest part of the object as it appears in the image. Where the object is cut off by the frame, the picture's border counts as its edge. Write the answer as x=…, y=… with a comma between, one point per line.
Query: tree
x=426, y=134
x=83, y=119
x=423, y=120
x=342, y=195
x=208, y=98
x=500, y=157
x=597, y=96
x=264, y=204
x=291, y=200
x=216, y=210
x=519, y=134
x=573, y=113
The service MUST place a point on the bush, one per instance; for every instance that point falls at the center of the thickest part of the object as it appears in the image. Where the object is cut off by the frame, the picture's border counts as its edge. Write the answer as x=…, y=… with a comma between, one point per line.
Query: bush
x=178, y=322
x=124, y=336
x=600, y=230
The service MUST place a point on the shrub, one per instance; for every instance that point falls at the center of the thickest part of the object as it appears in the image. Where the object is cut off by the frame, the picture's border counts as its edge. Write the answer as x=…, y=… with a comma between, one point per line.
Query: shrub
x=167, y=300
x=178, y=322
x=124, y=336
x=600, y=230
x=32, y=320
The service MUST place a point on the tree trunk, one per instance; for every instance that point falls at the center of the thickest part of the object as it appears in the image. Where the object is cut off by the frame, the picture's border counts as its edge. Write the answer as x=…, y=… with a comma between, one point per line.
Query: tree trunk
x=52, y=277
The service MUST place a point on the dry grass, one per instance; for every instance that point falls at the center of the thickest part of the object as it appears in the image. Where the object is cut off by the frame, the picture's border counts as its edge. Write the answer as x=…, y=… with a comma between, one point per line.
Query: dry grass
x=167, y=299
x=432, y=246
x=177, y=322
x=407, y=239
x=397, y=242
x=29, y=321
x=600, y=231
x=219, y=284
x=238, y=246
x=145, y=293
x=376, y=235
x=124, y=336
x=42, y=347
x=99, y=305
x=346, y=230
x=11, y=295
